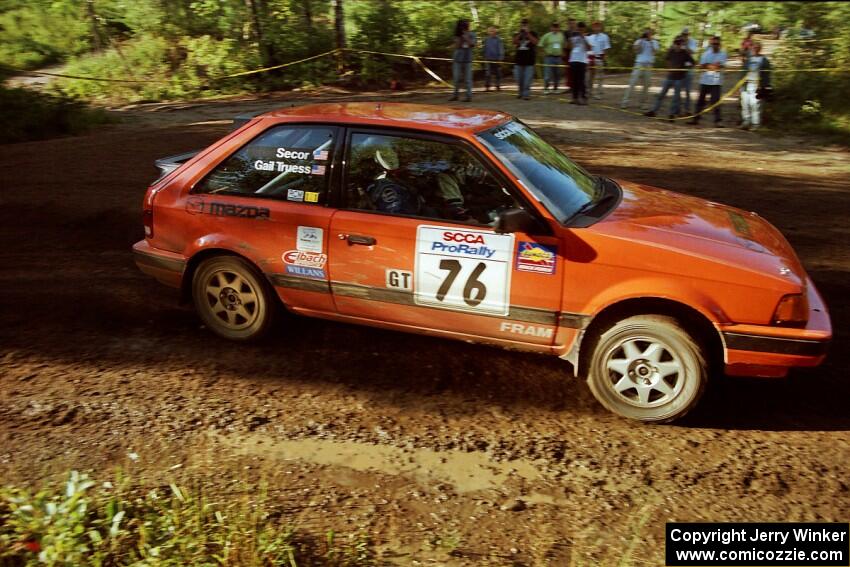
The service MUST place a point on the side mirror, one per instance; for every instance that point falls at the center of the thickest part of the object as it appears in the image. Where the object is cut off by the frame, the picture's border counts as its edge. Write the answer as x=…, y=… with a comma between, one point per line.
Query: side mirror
x=515, y=220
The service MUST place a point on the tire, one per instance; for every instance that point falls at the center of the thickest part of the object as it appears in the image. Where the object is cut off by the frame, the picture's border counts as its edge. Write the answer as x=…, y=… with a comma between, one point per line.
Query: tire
x=647, y=368
x=232, y=298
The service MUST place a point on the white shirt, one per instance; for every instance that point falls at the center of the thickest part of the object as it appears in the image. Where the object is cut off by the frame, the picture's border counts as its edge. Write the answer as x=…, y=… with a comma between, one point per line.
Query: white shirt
x=646, y=51
x=709, y=56
x=578, y=53
x=599, y=42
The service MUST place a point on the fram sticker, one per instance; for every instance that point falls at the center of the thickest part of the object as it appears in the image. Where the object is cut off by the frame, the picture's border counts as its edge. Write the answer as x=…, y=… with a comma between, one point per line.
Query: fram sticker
x=310, y=239
x=537, y=258
x=295, y=195
x=303, y=272
x=306, y=259
x=318, y=170
x=526, y=330
x=399, y=279
x=311, y=197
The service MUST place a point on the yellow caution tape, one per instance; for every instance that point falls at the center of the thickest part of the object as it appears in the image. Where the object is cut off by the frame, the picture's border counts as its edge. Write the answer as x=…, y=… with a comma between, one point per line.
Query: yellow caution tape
x=64, y=76
x=709, y=108
x=273, y=67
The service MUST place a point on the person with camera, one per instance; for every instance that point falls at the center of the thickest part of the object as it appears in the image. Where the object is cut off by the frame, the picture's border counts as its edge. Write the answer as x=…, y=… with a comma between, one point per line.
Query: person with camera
x=645, y=48
x=526, y=54
x=464, y=41
x=712, y=62
x=756, y=89
x=679, y=60
x=552, y=43
x=599, y=44
x=579, y=48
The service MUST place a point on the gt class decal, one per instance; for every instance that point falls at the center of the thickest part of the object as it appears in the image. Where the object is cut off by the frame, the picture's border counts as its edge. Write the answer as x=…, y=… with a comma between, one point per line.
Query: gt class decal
x=463, y=270
x=197, y=205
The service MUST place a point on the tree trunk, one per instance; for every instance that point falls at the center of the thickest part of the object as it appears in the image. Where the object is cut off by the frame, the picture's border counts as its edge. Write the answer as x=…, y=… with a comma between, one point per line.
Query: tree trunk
x=262, y=48
x=339, y=24
x=95, y=29
x=308, y=14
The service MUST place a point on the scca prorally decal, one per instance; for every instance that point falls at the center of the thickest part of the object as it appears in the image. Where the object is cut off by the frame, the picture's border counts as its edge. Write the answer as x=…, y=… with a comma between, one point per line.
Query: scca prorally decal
x=463, y=243
x=196, y=206
x=306, y=259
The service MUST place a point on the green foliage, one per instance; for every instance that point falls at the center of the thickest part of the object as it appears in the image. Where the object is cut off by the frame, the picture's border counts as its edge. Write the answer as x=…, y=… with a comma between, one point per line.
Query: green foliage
x=29, y=115
x=84, y=525
x=28, y=32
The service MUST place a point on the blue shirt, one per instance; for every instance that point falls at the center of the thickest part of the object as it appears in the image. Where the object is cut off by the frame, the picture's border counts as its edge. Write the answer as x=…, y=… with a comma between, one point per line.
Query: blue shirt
x=494, y=48
x=709, y=57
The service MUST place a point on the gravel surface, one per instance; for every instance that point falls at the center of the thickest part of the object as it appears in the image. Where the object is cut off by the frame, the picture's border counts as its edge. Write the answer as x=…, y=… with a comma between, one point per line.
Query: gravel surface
x=444, y=452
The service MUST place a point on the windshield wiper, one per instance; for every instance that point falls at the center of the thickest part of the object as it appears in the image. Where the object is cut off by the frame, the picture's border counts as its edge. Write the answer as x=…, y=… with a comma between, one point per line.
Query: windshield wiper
x=593, y=205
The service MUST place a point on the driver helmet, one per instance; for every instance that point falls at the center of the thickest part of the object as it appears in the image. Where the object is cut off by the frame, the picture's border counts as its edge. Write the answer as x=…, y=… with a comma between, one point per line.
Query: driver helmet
x=387, y=158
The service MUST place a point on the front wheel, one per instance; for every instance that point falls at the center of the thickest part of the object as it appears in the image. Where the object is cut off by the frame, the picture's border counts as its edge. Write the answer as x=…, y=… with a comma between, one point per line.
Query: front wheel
x=232, y=299
x=647, y=368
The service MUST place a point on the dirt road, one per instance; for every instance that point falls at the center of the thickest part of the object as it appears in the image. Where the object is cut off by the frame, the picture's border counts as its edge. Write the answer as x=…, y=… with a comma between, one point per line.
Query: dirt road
x=442, y=452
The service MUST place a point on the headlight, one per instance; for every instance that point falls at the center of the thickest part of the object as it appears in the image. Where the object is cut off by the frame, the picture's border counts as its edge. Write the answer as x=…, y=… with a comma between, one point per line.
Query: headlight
x=793, y=310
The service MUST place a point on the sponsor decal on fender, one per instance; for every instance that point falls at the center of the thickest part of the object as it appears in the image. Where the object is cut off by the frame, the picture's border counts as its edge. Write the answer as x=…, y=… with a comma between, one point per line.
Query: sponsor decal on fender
x=536, y=258
x=306, y=259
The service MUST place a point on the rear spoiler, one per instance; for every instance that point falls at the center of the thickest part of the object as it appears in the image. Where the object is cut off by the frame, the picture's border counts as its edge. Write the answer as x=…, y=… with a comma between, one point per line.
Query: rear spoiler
x=168, y=164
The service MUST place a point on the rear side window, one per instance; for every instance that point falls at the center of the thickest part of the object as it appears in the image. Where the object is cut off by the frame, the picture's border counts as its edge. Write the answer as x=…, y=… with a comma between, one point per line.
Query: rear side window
x=289, y=163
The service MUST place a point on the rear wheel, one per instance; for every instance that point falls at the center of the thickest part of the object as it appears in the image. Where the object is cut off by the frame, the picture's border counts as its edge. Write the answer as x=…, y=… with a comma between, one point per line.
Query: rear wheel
x=647, y=368
x=232, y=299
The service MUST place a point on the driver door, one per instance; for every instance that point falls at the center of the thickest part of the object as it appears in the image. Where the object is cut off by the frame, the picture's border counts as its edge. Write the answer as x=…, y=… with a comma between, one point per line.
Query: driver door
x=438, y=265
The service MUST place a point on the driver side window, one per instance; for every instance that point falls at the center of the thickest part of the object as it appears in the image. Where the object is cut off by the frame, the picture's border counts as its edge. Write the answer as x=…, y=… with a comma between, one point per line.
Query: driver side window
x=290, y=163
x=424, y=178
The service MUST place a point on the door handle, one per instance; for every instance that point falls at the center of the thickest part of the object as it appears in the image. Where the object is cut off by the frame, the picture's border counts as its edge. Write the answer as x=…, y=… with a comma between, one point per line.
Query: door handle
x=362, y=240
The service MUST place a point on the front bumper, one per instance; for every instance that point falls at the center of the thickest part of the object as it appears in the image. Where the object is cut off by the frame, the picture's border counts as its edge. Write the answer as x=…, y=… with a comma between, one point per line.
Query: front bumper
x=166, y=267
x=758, y=350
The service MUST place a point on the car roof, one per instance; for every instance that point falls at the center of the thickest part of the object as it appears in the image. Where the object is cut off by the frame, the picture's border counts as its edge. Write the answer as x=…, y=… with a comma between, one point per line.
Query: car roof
x=446, y=119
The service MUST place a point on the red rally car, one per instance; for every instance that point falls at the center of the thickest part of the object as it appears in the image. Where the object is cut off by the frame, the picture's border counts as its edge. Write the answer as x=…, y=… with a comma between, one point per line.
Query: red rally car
x=465, y=223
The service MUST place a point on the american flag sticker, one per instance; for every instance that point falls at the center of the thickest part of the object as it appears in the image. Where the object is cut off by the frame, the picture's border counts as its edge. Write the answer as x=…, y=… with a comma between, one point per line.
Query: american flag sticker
x=317, y=170
x=321, y=155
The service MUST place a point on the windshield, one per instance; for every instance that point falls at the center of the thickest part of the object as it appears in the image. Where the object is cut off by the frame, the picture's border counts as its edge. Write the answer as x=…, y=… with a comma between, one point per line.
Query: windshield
x=561, y=185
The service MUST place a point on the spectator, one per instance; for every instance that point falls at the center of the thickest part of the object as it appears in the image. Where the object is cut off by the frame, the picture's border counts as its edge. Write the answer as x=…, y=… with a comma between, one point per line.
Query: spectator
x=600, y=43
x=712, y=62
x=755, y=89
x=578, y=64
x=645, y=48
x=494, y=50
x=679, y=59
x=691, y=46
x=464, y=41
x=553, y=46
x=747, y=46
x=525, y=41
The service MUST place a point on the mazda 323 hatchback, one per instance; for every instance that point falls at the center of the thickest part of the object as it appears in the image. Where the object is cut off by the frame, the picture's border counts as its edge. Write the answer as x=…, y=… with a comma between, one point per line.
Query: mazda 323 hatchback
x=466, y=224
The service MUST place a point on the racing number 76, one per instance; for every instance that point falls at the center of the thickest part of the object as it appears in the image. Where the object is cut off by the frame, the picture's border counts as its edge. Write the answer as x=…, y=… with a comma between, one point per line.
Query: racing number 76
x=474, y=286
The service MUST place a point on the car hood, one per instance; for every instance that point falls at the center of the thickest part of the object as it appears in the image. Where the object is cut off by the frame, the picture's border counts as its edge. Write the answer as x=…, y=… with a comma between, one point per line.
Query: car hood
x=697, y=225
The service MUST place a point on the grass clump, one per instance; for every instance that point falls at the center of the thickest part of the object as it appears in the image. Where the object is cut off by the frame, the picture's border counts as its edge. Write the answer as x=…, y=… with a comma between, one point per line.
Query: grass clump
x=85, y=524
